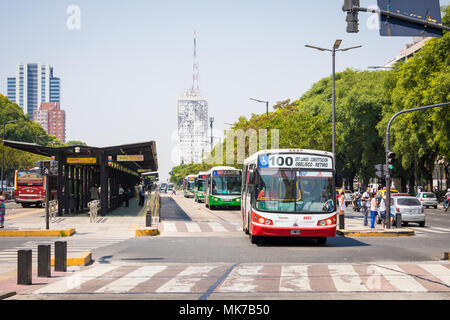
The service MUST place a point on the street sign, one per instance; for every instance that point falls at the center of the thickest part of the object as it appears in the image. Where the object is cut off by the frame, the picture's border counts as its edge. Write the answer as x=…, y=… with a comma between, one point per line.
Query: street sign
x=81, y=160
x=138, y=157
x=426, y=10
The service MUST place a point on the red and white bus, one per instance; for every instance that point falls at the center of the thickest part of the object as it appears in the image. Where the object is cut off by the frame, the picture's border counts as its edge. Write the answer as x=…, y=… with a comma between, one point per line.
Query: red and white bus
x=29, y=186
x=289, y=193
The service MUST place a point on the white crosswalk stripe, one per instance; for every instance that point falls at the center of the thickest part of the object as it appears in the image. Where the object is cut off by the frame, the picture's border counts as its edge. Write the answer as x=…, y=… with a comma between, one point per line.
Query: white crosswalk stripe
x=132, y=279
x=203, y=226
x=400, y=279
x=345, y=278
x=294, y=278
x=117, y=278
x=193, y=227
x=75, y=244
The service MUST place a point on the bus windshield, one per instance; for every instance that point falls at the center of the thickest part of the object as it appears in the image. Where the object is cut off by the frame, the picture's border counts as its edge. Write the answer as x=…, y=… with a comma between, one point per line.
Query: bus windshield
x=201, y=185
x=29, y=178
x=190, y=185
x=294, y=191
x=226, y=184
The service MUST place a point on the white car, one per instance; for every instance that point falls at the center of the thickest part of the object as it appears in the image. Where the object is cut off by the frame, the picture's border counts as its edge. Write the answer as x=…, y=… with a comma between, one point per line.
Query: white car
x=427, y=199
x=410, y=208
x=348, y=197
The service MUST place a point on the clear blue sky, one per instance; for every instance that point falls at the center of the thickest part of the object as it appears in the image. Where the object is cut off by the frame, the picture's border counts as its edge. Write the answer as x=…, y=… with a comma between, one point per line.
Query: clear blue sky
x=123, y=70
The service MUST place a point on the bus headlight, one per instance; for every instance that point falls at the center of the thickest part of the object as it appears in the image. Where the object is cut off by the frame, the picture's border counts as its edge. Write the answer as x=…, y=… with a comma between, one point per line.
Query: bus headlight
x=261, y=220
x=238, y=200
x=327, y=221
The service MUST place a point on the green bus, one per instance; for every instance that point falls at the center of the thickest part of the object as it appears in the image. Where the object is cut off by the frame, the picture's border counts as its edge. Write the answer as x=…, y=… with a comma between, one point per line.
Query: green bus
x=188, y=186
x=223, y=187
x=199, y=188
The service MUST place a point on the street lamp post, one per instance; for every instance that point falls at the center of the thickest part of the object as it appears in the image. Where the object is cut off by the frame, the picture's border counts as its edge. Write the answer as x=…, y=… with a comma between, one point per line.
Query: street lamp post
x=262, y=101
x=333, y=51
x=3, y=156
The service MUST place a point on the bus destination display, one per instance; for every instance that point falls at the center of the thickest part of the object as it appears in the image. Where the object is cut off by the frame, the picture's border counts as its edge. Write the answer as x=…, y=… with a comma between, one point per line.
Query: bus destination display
x=294, y=161
x=225, y=173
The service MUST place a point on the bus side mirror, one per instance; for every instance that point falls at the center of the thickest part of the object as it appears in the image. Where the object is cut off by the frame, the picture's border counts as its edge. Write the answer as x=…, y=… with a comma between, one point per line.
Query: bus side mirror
x=338, y=180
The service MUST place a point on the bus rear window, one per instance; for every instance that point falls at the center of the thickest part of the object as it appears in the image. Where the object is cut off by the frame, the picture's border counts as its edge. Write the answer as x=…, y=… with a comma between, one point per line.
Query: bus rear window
x=29, y=179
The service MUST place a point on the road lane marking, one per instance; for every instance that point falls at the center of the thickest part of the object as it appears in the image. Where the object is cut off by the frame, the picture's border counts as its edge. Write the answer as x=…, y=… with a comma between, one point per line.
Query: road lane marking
x=217, y=227
x=400, y=279
x=75, y=281
x=132, y=279
x=169, y=227
x=193, y=227
x=294, y=278
x=242, y=279
x=186, y=280
x=345, y=278
x=438, y=271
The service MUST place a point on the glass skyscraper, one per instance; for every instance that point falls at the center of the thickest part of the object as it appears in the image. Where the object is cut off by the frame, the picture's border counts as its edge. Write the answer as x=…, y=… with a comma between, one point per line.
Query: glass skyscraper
x=34, y=83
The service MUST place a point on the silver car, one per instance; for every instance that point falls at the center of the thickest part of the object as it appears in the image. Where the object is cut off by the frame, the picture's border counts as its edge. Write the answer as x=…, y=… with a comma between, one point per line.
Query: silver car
x=410, y=208
x=427, y=199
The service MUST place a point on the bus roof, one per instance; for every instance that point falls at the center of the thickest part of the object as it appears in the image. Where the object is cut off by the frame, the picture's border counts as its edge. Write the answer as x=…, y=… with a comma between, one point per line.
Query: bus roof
x=254, y=157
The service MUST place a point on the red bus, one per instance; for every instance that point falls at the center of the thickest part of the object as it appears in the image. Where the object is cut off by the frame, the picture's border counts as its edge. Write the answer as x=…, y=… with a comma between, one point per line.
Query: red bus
x=29, y=186
x=289, y=193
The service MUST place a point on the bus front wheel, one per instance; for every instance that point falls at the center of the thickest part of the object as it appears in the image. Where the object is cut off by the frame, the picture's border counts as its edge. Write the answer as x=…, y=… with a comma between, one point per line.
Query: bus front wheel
x=254, y=239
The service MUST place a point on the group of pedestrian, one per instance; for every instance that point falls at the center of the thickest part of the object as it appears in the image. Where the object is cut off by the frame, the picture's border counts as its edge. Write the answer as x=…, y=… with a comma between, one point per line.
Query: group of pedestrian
x=370, y=204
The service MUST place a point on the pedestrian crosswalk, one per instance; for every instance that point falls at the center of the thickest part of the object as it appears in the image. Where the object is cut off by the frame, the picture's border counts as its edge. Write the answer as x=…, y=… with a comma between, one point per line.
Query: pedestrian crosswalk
x=190, y=227
x=427, y=230
x=76, y=245
x=254, y=278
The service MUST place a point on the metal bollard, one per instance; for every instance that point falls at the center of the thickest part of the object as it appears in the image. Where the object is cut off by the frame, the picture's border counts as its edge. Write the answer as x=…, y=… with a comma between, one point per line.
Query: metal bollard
x=24, y=266
x=44, y=259
x=398, y=219
x=148, y=218
x=61, y=256
x=341, y=221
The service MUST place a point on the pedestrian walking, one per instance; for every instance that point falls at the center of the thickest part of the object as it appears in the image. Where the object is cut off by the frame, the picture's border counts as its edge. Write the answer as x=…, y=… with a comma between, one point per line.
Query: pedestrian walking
x=2, y=210
x=173, y=191
x=383, y=212
x=366, y=205
x=121, y=192
x=95, y=192
x=447, y=200
x=141, y=196
x=342, y=205
x=127, y=196
x=373, y=210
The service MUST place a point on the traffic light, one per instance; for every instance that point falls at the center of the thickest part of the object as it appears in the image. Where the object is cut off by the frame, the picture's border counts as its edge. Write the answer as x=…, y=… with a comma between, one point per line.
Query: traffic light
x=391, y=160
x=352, y=16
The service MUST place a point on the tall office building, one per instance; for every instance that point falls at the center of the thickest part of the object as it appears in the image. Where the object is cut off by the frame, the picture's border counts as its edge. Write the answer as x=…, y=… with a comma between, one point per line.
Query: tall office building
x=34, y=83
x=52, y=119
x=193, y=142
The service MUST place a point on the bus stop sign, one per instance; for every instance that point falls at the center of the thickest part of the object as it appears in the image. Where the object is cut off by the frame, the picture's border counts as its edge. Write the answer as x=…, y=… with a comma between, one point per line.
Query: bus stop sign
x=427, y=10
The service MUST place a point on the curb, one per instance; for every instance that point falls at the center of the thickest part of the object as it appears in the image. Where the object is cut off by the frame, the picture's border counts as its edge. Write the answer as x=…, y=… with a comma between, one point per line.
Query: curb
x=376, y=233
x=147, y=232
x=37, y=233
x=7, y=294
x=82, y=260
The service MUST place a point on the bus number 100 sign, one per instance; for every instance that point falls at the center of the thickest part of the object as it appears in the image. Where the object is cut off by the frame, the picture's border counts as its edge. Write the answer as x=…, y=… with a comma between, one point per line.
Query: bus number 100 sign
x=295, y=161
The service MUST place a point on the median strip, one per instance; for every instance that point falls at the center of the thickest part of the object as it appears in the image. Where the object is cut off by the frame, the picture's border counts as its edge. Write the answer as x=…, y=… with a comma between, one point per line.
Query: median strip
x=82, y=260
x=147, y=232
x=37, y=233
x=376, y=232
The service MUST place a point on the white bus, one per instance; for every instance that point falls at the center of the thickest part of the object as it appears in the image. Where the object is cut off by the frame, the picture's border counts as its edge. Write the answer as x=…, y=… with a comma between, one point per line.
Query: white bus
x=289, y=193
x=223, y=187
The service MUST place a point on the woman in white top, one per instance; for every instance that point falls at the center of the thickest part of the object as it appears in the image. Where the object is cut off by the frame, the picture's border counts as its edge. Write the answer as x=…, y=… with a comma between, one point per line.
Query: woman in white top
x=373, y=210
x=342, y=205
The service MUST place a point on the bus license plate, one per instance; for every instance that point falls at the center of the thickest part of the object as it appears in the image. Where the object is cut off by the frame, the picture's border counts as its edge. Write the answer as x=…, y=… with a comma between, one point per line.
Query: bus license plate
x=295, y=231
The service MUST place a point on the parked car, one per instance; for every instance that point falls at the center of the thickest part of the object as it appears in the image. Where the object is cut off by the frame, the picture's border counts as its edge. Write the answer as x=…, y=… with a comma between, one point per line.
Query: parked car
x=348, y=197
x=427, y=199
x=410, y=208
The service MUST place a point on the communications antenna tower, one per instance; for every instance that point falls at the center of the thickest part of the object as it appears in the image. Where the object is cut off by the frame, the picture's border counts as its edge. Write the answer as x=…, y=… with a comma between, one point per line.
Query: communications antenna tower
x=195, y=75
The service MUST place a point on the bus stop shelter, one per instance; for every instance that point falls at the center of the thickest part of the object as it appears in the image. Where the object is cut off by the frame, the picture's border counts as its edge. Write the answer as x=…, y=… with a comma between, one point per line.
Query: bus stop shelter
x=82, y=167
